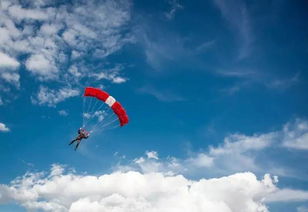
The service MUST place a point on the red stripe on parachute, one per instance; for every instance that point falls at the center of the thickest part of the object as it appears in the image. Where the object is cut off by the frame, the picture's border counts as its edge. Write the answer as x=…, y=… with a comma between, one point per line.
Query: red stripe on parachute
x=116, y=107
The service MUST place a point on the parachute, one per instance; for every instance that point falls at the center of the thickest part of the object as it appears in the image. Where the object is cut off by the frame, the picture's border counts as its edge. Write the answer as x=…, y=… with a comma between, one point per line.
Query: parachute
x=101, y=111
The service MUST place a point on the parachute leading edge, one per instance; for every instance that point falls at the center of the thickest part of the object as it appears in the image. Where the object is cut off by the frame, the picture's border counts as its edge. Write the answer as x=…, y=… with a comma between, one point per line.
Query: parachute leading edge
x=110, y=101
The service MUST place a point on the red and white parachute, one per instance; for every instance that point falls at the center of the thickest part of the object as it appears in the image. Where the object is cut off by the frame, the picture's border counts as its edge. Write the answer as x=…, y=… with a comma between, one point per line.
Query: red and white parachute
x=101, y=110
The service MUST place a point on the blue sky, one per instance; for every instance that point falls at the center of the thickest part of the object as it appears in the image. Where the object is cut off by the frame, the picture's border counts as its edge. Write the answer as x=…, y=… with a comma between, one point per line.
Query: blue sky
x=212, y=88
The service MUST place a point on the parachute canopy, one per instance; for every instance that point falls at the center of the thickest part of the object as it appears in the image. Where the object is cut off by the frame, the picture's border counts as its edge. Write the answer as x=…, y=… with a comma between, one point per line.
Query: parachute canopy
x=103, y=96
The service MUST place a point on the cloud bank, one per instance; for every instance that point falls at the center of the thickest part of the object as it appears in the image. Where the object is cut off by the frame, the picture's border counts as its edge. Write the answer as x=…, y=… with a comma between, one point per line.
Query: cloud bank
x=152, y=184
x=58, y=191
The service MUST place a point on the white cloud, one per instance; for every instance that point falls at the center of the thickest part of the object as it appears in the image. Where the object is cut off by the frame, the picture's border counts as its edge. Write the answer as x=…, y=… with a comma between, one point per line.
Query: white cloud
x=10, y=77
x=296, y=135
x=237, y=153
x=42, y=67
x=110, y=74
x=201, y=160
x=51, y=97
x=233, y=155
x=288, y=195
x=240, y=152
x=3, y=128
x=8, y=62
x=8, y=69
x=63, y=113
x=152, y=155
x=238, y=143
x=74, y=71
x=46, y=36
x=134, y=191
x=16, y=11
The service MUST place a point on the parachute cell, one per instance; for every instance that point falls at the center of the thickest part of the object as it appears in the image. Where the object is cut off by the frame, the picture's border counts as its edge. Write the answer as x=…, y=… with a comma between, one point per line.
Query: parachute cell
x=110, y=101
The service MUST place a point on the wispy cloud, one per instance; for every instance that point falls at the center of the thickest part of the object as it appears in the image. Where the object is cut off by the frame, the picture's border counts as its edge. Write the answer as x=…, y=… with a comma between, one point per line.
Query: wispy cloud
x=288, y=195
x=163, y=95
x=175, y=6
x=302, y=209
x=284, y=83
x=205, y=46
x=161, y=46
x=237, y=73
x=237, y=15
x=247, y=77
x=63, y=113
x=51, y=97
x=112, y=74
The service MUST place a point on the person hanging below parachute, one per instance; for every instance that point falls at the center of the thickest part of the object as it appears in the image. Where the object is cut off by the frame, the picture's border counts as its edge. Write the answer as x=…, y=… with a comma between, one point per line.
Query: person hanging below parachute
x=102, y=118
x=82, y=134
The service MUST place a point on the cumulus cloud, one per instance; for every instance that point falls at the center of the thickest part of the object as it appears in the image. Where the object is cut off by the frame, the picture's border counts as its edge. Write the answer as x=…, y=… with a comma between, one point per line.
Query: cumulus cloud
x=61, y=191
x=51, y=38
x=233, y=155
x=51, y=97
x=42, y=67
x=8, y=62
x=8, y=69
x=3, y=128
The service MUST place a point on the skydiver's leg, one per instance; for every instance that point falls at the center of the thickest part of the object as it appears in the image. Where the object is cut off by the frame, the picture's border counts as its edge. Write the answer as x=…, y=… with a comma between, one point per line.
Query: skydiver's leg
x=78, y=142
x=73, y=141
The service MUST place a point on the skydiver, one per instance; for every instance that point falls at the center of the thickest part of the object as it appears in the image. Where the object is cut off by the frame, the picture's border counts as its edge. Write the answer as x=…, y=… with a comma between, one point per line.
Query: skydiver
x=82, y=134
